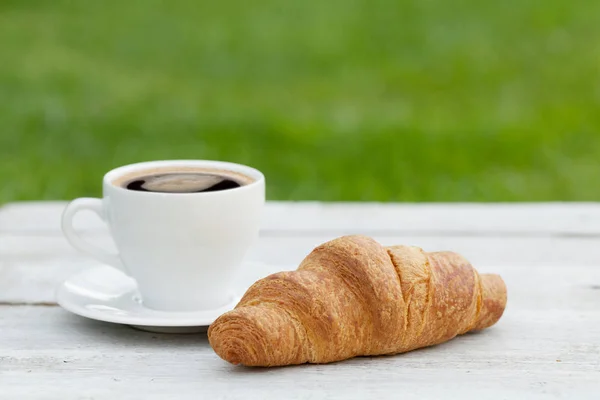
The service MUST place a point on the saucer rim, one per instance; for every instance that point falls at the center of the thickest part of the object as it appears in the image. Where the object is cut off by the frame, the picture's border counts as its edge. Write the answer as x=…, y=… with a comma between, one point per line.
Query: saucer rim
x=167, y=319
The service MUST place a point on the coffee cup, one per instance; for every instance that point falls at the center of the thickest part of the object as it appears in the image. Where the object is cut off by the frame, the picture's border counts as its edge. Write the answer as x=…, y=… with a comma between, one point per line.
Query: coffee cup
x=182, y=244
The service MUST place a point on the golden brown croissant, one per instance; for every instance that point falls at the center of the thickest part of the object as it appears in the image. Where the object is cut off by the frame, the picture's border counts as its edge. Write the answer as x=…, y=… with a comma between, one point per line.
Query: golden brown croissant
x=353, y=297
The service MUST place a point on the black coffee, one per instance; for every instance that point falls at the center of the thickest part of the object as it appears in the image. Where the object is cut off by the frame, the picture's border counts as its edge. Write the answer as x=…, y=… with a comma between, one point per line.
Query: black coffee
x=182, y=182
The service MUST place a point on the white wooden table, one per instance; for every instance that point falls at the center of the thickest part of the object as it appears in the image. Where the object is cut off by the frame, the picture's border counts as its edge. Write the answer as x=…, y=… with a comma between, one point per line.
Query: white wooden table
x=547, y=345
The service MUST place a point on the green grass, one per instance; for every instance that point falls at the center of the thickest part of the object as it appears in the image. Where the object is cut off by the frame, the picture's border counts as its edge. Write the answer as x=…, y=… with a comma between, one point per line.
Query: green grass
x=421, y=100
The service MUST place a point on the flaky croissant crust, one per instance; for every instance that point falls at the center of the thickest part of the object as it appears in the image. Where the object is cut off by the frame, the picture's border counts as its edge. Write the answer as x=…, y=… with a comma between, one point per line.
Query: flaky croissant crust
x=353, y=297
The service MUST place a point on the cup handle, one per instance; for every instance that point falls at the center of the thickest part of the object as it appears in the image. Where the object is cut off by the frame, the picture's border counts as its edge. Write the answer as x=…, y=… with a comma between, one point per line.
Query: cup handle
x=76, y=241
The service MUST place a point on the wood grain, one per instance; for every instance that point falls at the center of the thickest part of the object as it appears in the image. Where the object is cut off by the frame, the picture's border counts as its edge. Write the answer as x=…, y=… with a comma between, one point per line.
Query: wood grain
x=32, y=266
x=47, y=353
x=306, y=218
x=547, y=345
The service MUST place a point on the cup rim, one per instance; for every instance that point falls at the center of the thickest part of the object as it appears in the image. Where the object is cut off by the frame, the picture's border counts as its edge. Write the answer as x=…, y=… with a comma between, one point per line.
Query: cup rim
x=253, y=173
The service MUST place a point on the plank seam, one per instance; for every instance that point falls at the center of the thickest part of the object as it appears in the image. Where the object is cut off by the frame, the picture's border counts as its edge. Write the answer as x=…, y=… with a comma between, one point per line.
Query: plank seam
x=274, y=233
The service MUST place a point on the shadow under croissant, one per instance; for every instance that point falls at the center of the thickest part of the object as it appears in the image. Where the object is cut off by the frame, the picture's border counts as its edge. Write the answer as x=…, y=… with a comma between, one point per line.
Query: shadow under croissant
x=458, y=341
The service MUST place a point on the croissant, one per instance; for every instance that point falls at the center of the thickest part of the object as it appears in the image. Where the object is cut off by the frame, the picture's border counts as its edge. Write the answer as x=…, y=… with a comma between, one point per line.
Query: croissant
x=353, y=297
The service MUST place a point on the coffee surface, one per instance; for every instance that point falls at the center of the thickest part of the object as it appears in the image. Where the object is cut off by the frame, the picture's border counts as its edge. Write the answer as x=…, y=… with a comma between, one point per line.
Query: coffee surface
x=183, y=182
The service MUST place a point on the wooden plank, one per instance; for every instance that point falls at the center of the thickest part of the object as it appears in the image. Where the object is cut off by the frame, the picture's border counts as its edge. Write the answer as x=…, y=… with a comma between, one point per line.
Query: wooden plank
x=301, y=218
x=31, y=267
x=43, y=217
x=48, y=353
x=546, y=345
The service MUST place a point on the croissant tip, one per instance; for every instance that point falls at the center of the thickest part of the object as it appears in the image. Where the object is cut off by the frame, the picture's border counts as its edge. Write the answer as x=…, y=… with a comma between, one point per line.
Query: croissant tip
x=227, y=340
x=493, y=301
x=256, y=336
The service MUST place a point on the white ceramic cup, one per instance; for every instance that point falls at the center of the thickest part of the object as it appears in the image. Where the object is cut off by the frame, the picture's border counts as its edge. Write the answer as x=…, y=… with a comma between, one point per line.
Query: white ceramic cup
x=183, y=249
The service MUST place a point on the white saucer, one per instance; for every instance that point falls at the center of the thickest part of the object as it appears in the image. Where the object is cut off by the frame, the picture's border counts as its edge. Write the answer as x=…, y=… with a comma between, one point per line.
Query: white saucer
x=105, y=294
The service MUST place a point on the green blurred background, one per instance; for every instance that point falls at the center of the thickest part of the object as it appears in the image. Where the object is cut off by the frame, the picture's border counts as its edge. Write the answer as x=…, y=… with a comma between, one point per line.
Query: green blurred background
x=414, y=100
